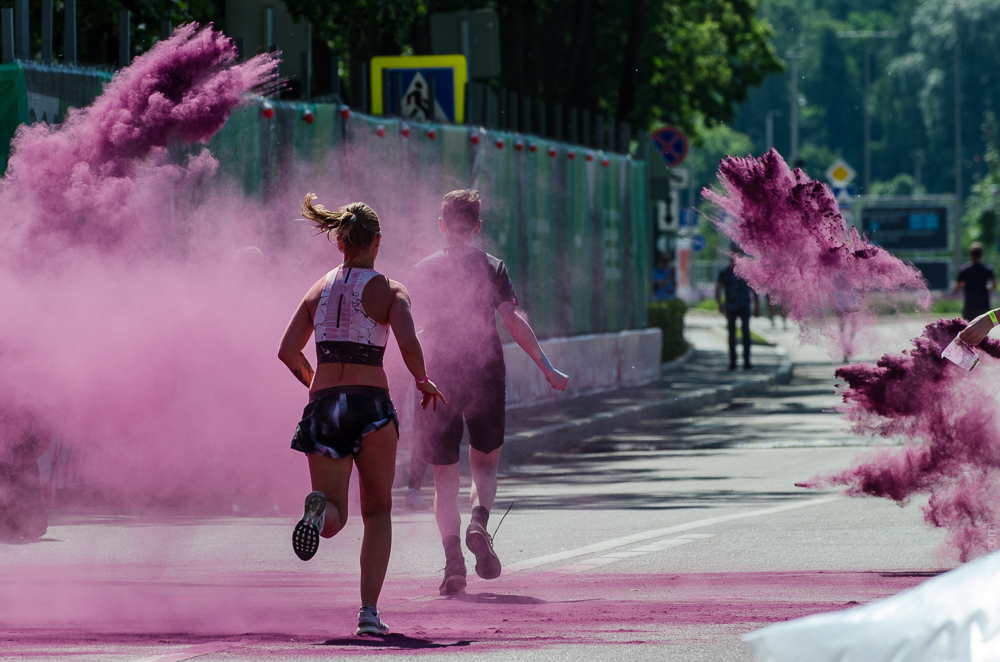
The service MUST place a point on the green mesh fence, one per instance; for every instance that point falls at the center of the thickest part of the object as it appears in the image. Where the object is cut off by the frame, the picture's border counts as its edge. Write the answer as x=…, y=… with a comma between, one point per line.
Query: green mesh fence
x=573, y=231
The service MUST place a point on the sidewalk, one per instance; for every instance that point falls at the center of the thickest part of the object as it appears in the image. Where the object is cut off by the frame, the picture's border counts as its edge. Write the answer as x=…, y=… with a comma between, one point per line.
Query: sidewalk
x=699, y=378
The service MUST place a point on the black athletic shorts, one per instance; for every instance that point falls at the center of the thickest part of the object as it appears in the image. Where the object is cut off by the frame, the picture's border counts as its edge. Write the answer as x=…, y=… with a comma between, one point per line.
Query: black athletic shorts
x=336, y=419
x=483, y=407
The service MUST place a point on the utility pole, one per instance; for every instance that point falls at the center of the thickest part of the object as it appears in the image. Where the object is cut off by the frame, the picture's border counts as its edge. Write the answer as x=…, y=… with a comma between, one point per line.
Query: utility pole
x=794, y=106
x=769, y=128
x=957, y=93
x=868, y=35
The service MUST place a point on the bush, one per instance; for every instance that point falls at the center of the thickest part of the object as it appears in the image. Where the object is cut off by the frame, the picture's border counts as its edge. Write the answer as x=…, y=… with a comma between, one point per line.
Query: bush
x=669, y=316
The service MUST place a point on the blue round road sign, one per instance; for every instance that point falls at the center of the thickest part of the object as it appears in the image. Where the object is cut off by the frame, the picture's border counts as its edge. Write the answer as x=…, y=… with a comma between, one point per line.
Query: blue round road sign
x=671, y=143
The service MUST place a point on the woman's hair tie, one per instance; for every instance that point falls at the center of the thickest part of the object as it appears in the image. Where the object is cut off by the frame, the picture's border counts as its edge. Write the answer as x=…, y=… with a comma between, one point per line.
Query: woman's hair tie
x=353, y=218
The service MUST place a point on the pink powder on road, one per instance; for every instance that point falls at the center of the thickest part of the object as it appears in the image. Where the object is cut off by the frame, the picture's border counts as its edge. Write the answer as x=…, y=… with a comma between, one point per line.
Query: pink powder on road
x=272, y=609
x=800, y=251
x=952, y=449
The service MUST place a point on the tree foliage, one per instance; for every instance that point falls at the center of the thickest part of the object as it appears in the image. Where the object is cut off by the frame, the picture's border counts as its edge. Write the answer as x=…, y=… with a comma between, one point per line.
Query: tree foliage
x=638, y=60
x=912, y=100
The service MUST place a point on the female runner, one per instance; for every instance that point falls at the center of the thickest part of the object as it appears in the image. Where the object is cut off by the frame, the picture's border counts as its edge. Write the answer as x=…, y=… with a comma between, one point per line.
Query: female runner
x=350, y=420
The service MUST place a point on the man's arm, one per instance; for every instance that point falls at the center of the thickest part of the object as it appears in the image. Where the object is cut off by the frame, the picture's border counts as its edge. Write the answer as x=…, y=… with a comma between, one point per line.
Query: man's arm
x=525, y=337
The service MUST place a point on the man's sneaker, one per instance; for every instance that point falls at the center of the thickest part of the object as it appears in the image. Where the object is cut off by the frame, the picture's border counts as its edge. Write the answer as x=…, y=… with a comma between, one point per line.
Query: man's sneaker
x=454, y=579
x=370, y=623
x=305, y=537
x=480, y=543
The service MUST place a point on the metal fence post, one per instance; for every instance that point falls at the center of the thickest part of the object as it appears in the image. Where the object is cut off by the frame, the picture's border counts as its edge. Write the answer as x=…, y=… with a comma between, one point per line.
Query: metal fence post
x=69, y=32
x=47, y=31
x=22, y=43
x=7, y=26
x=124, y=45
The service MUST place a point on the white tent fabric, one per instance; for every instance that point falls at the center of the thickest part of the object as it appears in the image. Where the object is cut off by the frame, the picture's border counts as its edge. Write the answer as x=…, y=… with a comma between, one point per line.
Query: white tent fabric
x=953, y=617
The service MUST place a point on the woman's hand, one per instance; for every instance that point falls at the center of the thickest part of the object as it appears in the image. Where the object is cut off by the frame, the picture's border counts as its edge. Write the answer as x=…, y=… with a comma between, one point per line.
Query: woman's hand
x=430, y=393
x=978, y=329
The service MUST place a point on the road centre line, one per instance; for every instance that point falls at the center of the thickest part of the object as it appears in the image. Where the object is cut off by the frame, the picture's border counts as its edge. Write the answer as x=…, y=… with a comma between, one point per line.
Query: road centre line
x=643, y=536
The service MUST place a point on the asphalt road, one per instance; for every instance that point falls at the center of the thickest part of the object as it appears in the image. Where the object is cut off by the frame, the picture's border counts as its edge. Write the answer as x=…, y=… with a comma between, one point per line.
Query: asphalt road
x=666, y=540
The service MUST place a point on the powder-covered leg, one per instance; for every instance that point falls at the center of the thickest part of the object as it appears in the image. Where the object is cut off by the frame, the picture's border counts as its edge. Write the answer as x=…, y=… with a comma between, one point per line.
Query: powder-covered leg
x=305, y=537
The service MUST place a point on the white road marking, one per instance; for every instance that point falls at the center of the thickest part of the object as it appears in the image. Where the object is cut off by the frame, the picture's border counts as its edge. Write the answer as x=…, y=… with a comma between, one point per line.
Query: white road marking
x=192, y=652
x=586, y=550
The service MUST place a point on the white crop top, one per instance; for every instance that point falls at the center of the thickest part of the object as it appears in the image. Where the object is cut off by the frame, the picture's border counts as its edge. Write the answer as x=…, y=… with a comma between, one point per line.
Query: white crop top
x=344, y=332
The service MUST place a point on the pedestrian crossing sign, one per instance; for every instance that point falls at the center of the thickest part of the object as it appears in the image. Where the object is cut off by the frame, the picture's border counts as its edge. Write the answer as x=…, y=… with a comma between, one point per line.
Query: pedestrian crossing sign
x=403, y=86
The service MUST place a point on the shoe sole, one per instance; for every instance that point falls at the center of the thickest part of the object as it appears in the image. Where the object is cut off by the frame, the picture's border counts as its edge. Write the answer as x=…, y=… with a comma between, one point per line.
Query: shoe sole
x=453, y=585
x=305, y=537
x=487, y=562
x=373, y=630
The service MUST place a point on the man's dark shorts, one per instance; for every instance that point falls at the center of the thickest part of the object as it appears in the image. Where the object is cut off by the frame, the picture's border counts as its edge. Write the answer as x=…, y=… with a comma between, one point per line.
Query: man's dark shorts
x=483, y=407
x=337, y=419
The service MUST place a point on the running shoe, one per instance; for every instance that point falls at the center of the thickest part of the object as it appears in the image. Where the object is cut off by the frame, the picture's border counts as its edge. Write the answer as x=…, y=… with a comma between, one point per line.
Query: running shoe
x=370, y=623
x=454, y=579
x=480, y=543
x=305, y=538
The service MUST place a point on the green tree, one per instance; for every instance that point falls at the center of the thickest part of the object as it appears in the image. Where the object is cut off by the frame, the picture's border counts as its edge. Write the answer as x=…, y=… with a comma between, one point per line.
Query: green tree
x=637, y=60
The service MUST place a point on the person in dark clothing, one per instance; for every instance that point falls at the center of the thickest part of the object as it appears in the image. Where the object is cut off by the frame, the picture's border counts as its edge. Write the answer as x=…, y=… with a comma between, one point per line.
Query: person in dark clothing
x=736, y=305
x=976, y=280
x=464, y=288
x=24, y=515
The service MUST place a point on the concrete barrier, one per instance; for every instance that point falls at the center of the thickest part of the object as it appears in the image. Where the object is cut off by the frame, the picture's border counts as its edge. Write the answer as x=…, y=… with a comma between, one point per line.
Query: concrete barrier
x=595, y=363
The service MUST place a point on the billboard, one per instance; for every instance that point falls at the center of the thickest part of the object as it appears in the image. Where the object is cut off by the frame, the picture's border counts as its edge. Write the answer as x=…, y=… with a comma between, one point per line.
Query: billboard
x=910, y=226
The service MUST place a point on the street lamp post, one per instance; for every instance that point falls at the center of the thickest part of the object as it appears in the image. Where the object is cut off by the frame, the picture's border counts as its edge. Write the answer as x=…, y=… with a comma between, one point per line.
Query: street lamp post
x=867, y=35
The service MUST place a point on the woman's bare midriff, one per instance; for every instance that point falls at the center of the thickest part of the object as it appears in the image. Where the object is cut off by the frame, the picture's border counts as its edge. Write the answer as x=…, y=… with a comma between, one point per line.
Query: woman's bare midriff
x=329, y=375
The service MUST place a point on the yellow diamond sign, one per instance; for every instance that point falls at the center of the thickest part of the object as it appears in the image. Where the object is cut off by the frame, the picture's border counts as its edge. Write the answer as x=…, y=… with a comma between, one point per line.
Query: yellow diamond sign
x=840, y=173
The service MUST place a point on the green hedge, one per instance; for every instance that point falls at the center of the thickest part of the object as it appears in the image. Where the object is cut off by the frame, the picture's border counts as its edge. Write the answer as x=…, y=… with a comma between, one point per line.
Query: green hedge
x=669, y=316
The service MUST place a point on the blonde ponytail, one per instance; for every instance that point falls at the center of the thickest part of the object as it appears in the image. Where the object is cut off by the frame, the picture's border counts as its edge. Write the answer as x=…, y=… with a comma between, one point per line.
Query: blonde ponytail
x=355, y=224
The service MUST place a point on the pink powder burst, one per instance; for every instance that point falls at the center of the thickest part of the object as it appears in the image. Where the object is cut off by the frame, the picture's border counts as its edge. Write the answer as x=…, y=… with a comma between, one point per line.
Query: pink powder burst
x=799, y=249
x=100, y=177
x=952, y=451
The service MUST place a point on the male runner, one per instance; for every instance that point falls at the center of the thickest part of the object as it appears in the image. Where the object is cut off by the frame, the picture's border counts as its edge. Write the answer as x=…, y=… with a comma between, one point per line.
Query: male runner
x=456, y=294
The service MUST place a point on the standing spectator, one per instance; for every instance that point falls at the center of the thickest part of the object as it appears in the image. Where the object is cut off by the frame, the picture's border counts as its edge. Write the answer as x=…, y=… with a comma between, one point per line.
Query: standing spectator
x=664, y=279
x=736, y=306
x=976, y=280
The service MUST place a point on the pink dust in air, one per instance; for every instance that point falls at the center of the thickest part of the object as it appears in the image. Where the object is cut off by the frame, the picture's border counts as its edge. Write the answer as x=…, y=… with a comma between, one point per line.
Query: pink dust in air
x=144, y=294
x=950, y=428
x=800, y=251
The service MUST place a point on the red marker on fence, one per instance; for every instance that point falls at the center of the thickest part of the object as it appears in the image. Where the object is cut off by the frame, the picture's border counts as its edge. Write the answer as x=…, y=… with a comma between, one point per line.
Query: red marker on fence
x=267, y=110
x=432, y=134
x=552, y=152
x=519, y=146
x=380, y=131
x=474, y=137
x=404, y=130
x=499, y=143
x=571, y=155
x=345, y=112
x=532, y=147
x=308, y=117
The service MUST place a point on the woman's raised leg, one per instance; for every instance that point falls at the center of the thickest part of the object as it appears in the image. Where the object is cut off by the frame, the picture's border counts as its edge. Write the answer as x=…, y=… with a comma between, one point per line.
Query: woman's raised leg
x=332, y=477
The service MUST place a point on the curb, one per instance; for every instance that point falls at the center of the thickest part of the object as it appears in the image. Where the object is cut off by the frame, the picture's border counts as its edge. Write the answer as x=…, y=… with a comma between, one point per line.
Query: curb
x=519, y=445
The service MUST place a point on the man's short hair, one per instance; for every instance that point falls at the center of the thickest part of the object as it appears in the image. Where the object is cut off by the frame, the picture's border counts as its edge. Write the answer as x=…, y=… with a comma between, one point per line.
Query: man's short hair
x=976, y=250
x=460, y=209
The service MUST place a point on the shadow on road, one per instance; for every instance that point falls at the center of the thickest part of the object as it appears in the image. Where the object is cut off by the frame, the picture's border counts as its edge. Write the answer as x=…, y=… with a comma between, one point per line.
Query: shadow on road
x=397, y=641
x=497, y=599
